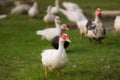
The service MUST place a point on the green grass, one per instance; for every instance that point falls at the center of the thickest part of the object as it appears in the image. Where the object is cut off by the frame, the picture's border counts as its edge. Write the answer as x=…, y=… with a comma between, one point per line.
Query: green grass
x=20, y=49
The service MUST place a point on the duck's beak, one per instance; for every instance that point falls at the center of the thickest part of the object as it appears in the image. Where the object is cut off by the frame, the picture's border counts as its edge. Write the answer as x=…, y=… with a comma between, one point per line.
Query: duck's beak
x=68, y=40
x=67, y=28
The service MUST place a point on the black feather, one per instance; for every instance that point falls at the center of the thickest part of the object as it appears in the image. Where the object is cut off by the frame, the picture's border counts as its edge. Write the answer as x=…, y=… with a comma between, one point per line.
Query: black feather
x=55, y=43
x=90, y=25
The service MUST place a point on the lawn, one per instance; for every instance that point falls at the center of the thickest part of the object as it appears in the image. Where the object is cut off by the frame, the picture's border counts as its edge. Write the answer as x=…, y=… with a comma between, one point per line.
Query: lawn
x=20, y=48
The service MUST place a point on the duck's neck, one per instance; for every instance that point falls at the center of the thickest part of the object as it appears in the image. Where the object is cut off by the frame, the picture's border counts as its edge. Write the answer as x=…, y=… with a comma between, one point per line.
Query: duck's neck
x=97, y=19
x=61, y=46
x=58, y=28
x=57, y=3
x=35, y=5
x=57, y=25
x=48, y=11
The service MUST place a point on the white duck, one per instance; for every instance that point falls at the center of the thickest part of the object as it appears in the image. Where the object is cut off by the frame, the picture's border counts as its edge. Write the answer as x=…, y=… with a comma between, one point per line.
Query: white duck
x=84, y=25
x=117, y=24
x=55, y=9
x=49, y=17
x=33, y=11
x=2, y=16
x=73, y=16
x=71, y=6
x=20, y=8
x=50, y=33
x=97, y=31
x=55, y=59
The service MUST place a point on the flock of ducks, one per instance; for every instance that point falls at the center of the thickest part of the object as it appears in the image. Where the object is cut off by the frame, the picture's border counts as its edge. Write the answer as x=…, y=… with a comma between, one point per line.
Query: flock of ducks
x=56, y=59
x=20, y=8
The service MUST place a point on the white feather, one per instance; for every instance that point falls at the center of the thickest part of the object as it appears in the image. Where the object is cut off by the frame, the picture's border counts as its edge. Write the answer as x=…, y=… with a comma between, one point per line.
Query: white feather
x=33, y=11
x=20, y=8
x=3, y=16
x=73, y=16
x=55, y=59
x=50, y=33
x=49, y=17
x=55, y=9
x=117, y=24
x=71, y=6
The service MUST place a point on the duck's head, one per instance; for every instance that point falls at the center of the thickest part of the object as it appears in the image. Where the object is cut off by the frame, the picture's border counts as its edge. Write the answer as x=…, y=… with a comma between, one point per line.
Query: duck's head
x=57, y=19
x=49, y=8
x=98, y=12
x=64, y=27
x=64, y=37
x=35, y=4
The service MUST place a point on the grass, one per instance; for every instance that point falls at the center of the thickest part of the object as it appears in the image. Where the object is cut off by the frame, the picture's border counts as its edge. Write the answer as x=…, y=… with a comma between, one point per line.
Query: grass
x=20, y=49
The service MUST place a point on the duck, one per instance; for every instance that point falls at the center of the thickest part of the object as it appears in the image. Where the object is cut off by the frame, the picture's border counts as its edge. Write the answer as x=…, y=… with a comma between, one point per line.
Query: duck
x=78, y=16
x=117, y=24
x=50, y=33
x=33, y=11
x=97, y=31
x=20, y=8
x=55, y=59
x=70, y=6
x=49, y=17
x=55, y=9
x=55, y=40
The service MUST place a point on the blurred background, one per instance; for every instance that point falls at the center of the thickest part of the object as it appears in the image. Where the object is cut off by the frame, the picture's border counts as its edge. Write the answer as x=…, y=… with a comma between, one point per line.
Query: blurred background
x=20, y=47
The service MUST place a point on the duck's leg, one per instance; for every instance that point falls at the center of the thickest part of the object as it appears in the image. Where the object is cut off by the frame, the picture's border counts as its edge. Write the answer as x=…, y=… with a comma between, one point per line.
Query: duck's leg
x=90, y=39
x=99, y=41
x=46, y=71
